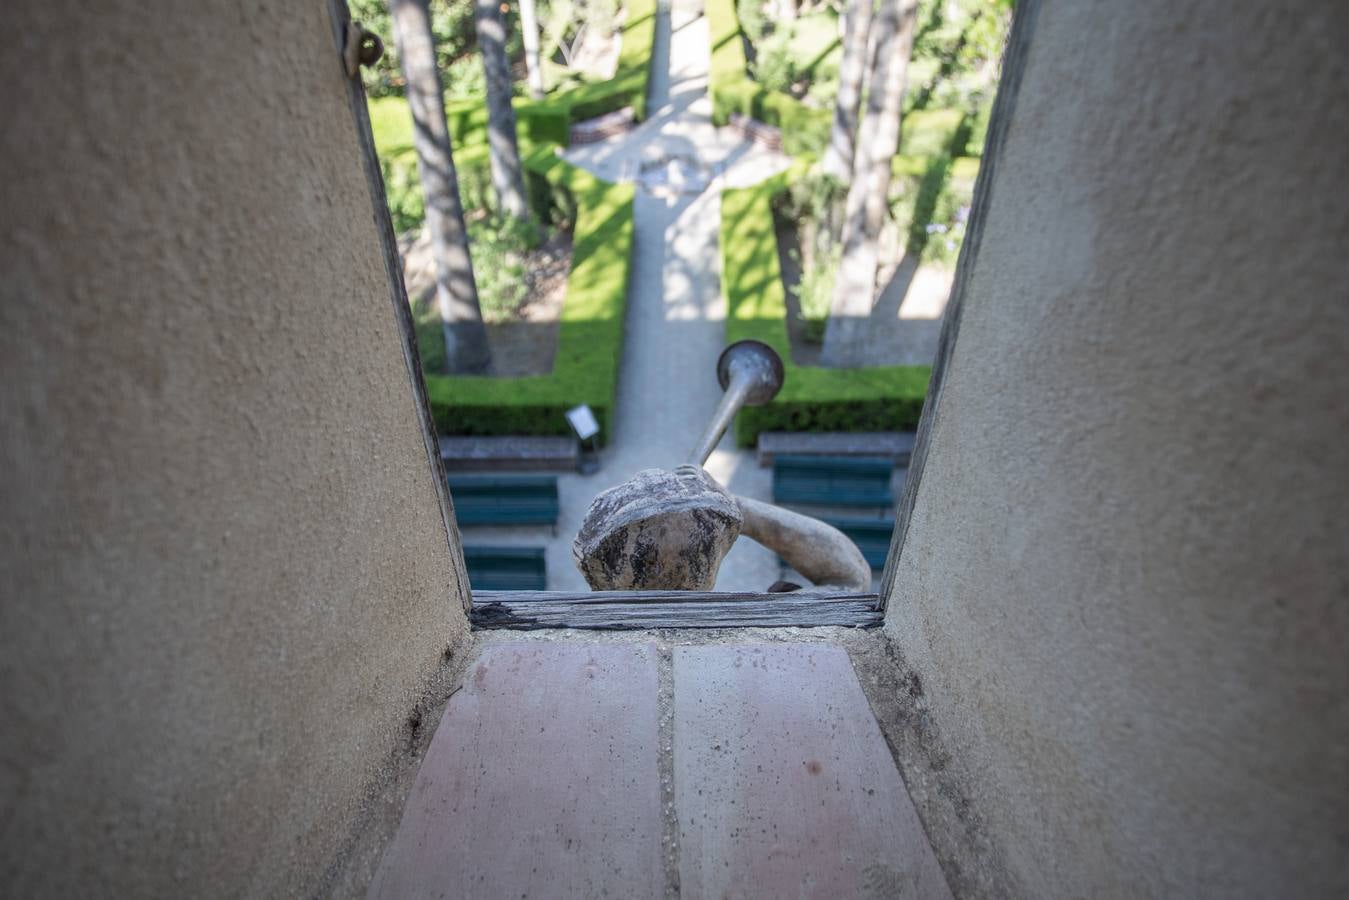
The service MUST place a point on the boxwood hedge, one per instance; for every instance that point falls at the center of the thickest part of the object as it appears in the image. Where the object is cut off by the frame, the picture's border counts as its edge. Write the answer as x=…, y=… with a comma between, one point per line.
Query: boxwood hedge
x=812, y=399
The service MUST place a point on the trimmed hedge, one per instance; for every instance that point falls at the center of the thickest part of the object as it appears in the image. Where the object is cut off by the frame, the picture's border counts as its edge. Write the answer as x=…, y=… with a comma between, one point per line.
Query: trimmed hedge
x=805, y=131
x=590, y=338
x=536, y=122
x=881, y=398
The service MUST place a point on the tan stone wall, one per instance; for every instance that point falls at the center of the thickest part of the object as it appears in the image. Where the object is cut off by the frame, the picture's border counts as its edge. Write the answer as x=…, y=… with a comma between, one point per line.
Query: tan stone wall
x=1123, y=593
x=225, y=576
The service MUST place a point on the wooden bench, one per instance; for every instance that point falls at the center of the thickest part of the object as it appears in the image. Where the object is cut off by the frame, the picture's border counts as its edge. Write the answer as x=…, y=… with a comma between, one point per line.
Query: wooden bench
x=767, y=136
x=504, y=500
x=511, y=452
x=506, y=568
x=895, y=446
x=601, y=128
x=832, y=481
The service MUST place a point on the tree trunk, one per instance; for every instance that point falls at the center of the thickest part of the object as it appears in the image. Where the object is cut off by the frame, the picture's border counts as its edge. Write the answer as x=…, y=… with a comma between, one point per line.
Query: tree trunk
x=838, y=158
x=503, y=152
x=529, y=25
x=877, y=143
x=466, y=348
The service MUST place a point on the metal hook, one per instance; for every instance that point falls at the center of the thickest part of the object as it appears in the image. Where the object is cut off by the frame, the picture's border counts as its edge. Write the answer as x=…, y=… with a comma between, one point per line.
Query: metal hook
x=361, y=48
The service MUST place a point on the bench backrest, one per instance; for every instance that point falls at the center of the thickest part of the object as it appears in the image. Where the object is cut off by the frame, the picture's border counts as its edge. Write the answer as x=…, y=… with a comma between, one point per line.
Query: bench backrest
x=497, y=500
x=832, y=480
x=872, y=536
x=506, y=568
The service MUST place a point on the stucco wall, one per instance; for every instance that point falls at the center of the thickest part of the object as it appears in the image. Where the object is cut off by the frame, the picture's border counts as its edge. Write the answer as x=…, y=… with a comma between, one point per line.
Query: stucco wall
x=1123, y=590
x=226, y=580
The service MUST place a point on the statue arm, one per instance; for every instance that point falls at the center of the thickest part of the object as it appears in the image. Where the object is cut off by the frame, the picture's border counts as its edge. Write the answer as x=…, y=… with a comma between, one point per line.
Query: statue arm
x=817, y=550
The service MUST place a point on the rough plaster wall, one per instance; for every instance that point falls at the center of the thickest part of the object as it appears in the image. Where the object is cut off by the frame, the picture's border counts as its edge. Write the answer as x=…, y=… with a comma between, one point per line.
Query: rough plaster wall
x=1124, y=585
x=224, y=572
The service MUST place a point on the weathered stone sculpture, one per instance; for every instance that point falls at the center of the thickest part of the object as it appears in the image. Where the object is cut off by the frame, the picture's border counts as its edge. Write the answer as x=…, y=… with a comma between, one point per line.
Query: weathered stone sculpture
x=661, y=530
x=670, y=529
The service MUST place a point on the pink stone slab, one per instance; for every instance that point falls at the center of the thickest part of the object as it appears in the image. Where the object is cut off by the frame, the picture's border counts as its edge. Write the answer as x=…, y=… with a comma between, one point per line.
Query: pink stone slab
x=542, y=781
x=784, y=786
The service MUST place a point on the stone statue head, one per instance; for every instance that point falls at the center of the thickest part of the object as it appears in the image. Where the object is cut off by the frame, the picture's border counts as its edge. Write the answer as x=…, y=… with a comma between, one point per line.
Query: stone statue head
x=660, y=530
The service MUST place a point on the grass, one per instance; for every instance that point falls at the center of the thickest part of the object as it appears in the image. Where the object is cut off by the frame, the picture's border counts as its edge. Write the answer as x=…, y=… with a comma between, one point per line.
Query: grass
x=815, y=39
x=931, y=132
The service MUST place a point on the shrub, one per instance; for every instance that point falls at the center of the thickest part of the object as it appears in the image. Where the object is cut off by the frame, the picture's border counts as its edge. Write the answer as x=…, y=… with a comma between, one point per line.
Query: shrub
x=921, y=222
x=815, y=292
x=753, y=22
x=979, y=127
x=402, y=190
x=498, y=247
x=932, y=132
x=402, y=185
x=451, y=24
x=812, y=398
x=464, y=78
x=814, y=203
x=950, y=213
x=774, y=67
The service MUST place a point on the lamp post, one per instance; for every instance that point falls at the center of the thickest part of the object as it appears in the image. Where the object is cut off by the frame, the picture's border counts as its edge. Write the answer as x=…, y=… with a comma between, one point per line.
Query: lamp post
x=584, y=425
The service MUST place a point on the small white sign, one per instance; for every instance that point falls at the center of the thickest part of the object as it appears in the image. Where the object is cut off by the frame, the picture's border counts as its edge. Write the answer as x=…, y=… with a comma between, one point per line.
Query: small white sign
x=583, y=422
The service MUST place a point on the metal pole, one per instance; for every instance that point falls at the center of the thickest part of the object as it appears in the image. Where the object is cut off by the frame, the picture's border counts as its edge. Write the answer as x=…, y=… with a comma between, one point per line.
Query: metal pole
x=730, y=404
x=751, y=374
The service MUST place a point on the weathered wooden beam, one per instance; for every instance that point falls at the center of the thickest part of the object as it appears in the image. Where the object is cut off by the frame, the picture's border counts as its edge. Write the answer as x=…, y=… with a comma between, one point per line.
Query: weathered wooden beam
x=633, y=610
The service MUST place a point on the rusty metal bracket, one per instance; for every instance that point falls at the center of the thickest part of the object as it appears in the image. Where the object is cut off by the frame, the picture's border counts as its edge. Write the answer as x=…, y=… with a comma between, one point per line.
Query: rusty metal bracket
x=360, y=48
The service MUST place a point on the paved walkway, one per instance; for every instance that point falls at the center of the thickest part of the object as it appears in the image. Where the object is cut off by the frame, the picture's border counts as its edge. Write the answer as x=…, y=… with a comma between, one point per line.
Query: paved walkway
x=675, y=325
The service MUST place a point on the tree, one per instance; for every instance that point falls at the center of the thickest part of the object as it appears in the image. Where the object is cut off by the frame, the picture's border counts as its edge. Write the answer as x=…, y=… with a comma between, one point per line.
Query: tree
x=502, y=150
x=466, y=348
x=838, y=158
x=868, y=192
x=451, y=24
x=529, y=27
